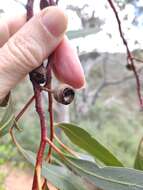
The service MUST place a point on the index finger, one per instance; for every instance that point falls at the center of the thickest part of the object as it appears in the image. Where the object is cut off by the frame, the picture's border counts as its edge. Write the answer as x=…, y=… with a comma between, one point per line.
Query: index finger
x=9, y=26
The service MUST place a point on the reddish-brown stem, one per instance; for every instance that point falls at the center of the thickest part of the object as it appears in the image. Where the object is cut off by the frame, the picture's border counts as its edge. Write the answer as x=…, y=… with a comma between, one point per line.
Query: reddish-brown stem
x=51, y=2
x=129, y=55
x=65, y=147
x=41, y=113
x=29, y=8
x=37, y=185
x=44, y=184
x=51, y=125
x=24, y=108
x=47, y=89
x=56, y=149
x=43, y=4
x=50, y=109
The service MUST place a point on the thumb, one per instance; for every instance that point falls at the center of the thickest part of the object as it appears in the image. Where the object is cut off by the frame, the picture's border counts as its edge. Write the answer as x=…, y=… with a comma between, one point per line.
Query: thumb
x=30, y=46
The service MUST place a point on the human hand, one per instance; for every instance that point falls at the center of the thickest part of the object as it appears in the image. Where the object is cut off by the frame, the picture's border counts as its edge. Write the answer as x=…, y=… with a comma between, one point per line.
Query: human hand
x=25, y=45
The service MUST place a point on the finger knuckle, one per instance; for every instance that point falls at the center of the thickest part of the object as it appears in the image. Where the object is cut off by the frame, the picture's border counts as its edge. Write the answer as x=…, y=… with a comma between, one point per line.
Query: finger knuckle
x=26, y=50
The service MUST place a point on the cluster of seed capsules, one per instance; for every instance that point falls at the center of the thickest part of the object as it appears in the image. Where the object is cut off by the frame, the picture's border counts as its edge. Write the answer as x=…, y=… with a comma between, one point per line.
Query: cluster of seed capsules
x=63, y=94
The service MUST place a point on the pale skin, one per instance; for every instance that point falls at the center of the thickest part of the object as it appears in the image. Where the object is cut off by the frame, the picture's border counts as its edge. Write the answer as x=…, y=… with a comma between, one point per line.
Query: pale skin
x=24, y=45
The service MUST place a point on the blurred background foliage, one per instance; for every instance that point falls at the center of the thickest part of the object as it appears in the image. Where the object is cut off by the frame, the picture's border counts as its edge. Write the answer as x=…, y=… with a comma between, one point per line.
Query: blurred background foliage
x=107, y=108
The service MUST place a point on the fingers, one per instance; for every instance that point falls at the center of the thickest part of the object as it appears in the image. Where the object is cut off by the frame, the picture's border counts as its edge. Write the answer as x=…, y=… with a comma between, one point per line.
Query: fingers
x=9, y=26
x=66, y=65
x=26, y=49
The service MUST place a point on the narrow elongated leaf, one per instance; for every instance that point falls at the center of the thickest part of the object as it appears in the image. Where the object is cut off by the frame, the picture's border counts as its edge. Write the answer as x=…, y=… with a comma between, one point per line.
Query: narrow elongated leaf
x=139, y=157
x=107, y=178
x=85, y=141
x=60, y=177
x=7, y=120
x=8, y=111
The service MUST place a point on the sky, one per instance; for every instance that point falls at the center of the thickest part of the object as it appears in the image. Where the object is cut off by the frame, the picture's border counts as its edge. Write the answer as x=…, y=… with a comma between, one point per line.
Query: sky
x=100, y=41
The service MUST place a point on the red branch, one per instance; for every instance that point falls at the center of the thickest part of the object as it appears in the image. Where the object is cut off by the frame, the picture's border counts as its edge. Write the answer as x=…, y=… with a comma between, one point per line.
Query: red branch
x=51, y=2
x=130, y=58
x=50, y=109
x=43, y=4
x=29, y=8
x=41, y=113
x=51, y=123
x=37, y=185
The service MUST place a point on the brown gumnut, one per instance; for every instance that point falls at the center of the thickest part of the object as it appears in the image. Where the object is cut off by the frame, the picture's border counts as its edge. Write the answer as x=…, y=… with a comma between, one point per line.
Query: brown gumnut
x=64, y=94
x=39, y=75
x=129, y=67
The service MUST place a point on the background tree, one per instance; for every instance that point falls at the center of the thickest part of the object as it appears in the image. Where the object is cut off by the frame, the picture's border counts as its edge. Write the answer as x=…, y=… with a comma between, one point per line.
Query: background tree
x=108, y=107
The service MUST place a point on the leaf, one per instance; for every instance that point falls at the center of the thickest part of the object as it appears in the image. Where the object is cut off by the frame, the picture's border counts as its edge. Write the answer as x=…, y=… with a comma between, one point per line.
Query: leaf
x=107, y=178
x=139, y=157
x=59, y=176
x=8, y=119
x=62, y=178
x=85, y=141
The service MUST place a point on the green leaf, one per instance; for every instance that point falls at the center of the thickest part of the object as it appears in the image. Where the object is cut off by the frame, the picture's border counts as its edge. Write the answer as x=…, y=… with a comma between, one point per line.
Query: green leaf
x=107, y=178
x=139, y=157
x=7, y=120
x=85, y=141
x=60, y=177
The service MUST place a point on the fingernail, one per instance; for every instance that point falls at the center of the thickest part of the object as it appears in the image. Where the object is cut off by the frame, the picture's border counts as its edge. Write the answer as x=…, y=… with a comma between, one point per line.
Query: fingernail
x=54, y=20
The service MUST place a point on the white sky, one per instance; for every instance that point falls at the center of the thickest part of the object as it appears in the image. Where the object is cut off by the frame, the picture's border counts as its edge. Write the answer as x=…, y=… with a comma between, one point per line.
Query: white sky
x=99, y=41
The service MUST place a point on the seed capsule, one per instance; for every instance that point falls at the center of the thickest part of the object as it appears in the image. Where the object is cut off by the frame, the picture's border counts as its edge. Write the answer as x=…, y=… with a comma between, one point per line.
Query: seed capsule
x=39, y=75
x=129, y=67
x=64, y=94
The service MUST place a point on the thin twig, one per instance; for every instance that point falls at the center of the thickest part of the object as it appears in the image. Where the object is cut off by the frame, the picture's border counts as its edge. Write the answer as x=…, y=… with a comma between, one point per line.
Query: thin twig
x=51, y=2
x=106, y=83
x=46, y=89
x=129, y=55
x=24, y=108
x=51, y=125
x=43, y=4
x=44, y=184
x=56, y=149
x=29, y=8
x=66, y=147
x=41, y=113
x=50, y=110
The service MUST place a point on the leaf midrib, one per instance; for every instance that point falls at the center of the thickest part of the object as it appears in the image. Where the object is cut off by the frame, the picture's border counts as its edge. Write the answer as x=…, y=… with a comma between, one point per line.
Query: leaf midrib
x=104, y=178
